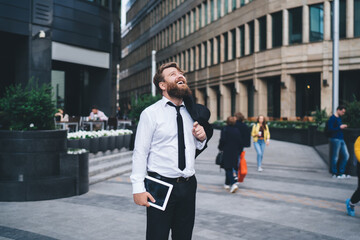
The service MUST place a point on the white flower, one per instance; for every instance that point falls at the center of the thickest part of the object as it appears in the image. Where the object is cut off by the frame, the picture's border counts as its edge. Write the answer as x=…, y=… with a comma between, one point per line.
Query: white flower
x=31, y=125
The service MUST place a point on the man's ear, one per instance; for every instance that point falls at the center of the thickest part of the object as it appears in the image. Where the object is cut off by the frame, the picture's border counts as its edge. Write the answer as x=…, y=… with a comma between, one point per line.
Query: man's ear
x=162, y=85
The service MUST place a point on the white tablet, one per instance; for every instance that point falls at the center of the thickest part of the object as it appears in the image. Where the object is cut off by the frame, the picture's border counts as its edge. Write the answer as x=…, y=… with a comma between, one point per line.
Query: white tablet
x=160, y=190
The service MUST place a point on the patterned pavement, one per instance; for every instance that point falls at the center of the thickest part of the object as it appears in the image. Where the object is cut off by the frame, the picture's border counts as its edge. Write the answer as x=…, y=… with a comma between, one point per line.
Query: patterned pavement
x=293, y=198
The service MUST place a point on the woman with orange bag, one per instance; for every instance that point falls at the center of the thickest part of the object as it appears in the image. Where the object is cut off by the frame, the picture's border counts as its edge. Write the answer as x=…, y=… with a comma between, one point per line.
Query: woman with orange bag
x=231, y=145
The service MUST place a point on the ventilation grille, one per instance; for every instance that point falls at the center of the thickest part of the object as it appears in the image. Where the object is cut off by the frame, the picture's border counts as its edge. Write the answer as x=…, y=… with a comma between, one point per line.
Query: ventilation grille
x=42, y=12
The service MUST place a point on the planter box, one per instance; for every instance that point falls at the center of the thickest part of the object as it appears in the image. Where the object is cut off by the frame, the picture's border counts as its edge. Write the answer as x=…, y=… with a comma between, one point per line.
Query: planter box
x=84, y=143
x=127, y=139
x=103, y=144
x=111, y=143
x=77, y=166
x=119, y=142
x=32, y=167
x=73, y=143
x=350, y=136
x=94, y=145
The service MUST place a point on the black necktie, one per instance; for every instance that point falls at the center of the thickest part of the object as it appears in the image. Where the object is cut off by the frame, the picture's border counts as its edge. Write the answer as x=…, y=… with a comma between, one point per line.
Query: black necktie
x=181, y=142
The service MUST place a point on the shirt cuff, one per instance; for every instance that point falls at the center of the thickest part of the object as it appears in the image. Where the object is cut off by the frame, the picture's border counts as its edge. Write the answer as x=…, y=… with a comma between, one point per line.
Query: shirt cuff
x=138, y=187
x=200, y=145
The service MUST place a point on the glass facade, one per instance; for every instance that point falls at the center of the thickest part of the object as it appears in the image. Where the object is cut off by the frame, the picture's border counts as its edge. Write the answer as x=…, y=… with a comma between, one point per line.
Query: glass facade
x=316, y=22
x=233, y=44
x=295, y=25
x=226, y=47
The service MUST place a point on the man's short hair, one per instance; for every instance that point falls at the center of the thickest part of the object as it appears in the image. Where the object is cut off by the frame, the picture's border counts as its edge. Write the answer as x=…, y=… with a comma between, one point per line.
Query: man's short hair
x=94, y=107
x=158, y=77
x=239, y=116
x=341, y=107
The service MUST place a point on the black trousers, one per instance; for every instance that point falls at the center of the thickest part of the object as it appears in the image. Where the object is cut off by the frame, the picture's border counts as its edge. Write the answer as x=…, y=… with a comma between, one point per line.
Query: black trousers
x=356, y=196
x=179, y=215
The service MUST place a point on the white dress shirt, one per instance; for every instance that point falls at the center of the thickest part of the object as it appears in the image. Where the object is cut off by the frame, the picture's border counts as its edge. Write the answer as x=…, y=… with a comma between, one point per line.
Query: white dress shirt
x=156, y=144
x=101, y=115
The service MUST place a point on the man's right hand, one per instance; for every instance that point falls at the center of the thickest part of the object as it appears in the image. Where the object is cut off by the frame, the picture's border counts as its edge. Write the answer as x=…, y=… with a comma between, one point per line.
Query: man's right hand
x=342, y=126
x=142, y=199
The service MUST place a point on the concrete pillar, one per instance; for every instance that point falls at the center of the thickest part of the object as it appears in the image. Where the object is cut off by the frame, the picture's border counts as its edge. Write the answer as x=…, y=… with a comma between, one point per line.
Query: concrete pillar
x=256, y=35
x=212, y=102
x=349, y=18
x=326, y=90
x=247, y=39
x=285, y=27
x=200, y=97
x=268, y=31
x=327, y=21
x=215, y=10
x=260, y=97
x=208, y=11
x=305, y=25
x=288, y=96
x=197, y=57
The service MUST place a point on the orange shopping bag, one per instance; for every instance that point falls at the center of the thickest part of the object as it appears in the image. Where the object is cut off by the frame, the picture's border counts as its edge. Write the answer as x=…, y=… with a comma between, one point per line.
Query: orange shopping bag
x=242, y=171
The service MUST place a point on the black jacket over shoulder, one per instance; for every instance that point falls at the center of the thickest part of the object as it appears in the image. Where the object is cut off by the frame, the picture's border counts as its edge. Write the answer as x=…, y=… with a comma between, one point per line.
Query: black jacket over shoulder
x=201, y=114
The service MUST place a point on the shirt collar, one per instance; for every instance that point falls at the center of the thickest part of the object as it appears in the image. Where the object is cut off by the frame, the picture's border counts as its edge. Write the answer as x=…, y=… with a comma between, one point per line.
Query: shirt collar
x=165, y=100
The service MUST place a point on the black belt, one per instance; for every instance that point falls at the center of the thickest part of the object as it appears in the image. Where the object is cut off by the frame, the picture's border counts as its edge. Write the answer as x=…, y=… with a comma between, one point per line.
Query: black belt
x=170, y=180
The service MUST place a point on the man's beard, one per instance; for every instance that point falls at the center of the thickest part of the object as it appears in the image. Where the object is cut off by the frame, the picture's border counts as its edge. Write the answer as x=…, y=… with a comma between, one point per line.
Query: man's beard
x=178, y=92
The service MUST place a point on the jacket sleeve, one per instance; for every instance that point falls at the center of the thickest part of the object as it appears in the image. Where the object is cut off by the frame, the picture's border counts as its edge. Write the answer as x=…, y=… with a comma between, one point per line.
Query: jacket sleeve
x=357, y=148
x=253, y=131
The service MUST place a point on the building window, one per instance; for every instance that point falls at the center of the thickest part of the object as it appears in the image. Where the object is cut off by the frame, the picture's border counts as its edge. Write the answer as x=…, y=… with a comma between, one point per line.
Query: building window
x=226, y=7
x=219, y=9
x=242, y=3
x=211, y=52
x=251, y=37
x=200, y=16
x=205, y=13
x=199, y=56
x=242, y=40
x=205, y=54
x=262, y=33
x=295, y=25
x=316, y=22
x=233, y=44
x=226, y=47
x=233, y=7
x=218, y=45
x=342, y=25
x=276, y=29
x=356, y=18
x=194, y=20
x=212, y=10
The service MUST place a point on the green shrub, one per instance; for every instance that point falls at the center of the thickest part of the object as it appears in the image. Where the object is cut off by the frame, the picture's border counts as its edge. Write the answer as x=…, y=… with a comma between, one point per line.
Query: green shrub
x=29, y=108
x=352, y=114
x=137, y=106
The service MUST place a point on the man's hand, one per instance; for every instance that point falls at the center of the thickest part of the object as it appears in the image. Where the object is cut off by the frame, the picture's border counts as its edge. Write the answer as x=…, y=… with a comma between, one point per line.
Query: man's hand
x=198, y=132
x=142, y=199
x=342, y=126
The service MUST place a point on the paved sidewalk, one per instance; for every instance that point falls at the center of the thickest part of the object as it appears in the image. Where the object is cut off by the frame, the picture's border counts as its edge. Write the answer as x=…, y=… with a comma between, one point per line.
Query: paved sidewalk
x=293, y=198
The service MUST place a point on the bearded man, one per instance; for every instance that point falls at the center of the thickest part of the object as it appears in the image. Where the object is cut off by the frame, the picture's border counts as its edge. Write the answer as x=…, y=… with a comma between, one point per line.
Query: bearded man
x=170, y=134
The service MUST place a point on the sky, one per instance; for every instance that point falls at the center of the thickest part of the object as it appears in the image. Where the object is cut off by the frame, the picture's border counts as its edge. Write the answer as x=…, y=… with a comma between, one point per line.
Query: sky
x=123, y=12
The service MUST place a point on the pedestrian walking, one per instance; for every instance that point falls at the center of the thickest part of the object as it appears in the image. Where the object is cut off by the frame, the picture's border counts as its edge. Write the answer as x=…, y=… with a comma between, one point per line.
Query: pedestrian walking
x=261, y=137
x=168, y=134
x=231, y=145
x=337, y=143
x=355, y=198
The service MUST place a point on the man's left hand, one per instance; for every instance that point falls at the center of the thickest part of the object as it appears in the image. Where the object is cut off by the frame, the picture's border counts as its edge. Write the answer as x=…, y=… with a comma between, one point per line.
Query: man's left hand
x=198, y=132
